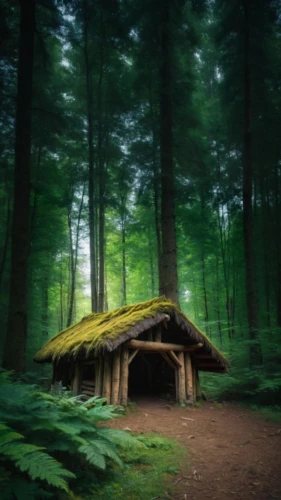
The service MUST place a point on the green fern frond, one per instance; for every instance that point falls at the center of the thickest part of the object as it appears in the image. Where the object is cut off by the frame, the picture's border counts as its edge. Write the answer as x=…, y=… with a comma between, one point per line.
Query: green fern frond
x=42, y=466
x=107, y=450
x=8, y=437
x=93, y=456
x=120, y=438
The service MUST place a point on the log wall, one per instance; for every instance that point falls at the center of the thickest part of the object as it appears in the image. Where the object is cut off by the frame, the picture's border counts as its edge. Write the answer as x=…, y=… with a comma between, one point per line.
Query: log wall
x=111, y=376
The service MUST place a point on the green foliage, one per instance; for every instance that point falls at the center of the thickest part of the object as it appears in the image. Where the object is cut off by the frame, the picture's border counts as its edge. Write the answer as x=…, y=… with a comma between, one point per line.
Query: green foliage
x=47, y=441
x=146, y=472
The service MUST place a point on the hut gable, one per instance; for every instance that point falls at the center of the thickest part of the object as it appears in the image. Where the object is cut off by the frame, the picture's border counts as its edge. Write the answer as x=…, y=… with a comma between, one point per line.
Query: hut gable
x=102, y=332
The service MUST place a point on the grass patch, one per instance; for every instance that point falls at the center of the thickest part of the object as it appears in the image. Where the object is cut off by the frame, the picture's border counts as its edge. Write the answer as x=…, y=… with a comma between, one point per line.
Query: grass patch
x=146, y=472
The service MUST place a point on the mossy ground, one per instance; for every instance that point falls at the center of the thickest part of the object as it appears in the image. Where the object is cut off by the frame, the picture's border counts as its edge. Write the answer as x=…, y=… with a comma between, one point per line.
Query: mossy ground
x=146, y=472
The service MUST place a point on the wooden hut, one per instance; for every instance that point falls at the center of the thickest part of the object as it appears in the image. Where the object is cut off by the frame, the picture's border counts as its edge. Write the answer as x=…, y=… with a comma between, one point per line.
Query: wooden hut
x=150, y=347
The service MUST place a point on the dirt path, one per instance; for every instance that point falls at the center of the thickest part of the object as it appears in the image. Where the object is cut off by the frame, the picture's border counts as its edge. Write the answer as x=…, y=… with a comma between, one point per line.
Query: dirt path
x=232, y=453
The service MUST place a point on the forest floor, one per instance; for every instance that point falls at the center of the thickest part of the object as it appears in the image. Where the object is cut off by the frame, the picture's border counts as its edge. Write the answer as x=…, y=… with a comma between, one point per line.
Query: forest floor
x=231, y=452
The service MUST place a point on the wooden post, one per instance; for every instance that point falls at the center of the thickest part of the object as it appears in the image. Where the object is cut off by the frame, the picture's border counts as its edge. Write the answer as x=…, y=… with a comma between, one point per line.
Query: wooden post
x=99, y=377
x=77, y=379
x=175, y=359
x=115, y=377
x=106, y=391
x=177, y=384
x=149, y=335
x=198, y=386
x=181, y=370
x=124, y=376
x=194, y=380
x=158, y=333
x=188, y=376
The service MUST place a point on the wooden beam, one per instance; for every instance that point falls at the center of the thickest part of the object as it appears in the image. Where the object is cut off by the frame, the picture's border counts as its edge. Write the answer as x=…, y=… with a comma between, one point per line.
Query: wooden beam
x=99, y=376
x=181, y=375
x=77, y=379
x=175, y=359
x=144, y=345
x=168, y=360
x=131, y=357
x=116, y=376
x=124, y=375
x=106, y=391
x=188, y=376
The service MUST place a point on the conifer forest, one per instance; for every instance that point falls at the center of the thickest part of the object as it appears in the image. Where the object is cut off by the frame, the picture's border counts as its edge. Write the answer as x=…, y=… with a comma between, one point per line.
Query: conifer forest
x=140, y=157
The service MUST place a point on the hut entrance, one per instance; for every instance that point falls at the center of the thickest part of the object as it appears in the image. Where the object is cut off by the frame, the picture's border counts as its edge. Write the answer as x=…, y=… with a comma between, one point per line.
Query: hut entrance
x=150, y=375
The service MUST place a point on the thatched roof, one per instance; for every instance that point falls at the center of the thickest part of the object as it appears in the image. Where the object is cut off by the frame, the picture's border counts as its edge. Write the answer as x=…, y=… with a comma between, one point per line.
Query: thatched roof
x=106, y=331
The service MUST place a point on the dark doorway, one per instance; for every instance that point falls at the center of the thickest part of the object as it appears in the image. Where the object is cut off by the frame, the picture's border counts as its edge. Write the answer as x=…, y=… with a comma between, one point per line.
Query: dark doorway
x=150, y=375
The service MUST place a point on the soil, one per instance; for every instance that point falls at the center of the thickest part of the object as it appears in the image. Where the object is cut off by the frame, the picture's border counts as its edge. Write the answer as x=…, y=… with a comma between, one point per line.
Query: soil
x=232, y=453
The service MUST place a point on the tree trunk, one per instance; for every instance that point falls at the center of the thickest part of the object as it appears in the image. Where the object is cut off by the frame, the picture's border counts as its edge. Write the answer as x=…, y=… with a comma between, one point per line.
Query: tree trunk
x=91, y=178
x=15, y=347
x=156, y=176
x=169, y=278
x=7, y=238
x=124, y=281
x=74, y=258
x=277, y=244
x=251, y=298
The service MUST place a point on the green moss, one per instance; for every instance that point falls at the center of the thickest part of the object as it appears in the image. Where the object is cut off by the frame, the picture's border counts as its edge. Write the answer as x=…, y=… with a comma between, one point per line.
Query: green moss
x=93, y=331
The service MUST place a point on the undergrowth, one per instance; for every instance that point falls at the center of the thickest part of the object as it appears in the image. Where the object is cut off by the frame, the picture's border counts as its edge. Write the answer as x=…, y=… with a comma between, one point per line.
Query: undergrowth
x=53, y=446
x=146, y=473
x=49, y=444
x=257, y=385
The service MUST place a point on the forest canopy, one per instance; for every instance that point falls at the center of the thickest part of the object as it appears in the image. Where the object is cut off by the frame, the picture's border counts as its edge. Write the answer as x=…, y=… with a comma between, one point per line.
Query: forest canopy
x=140, y=156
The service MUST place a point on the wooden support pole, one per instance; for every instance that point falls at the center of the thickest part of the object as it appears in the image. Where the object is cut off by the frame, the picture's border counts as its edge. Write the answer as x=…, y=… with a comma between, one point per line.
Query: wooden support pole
x=188, y=376
x=158, y=333
x=198, y=386
x=124, y=376
x=99, y=376
x=194, y=380
x=168, y=360
x=181, y=375
x=115, y=376
x=106, y=391
x=131, y=357
x=175, y=359
x=77, y=379
x=145, y=345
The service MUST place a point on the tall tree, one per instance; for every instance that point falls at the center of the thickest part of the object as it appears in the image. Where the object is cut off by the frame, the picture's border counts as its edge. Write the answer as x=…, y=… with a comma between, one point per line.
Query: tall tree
x=169, y=272
x=15, y=347
x=255, y=349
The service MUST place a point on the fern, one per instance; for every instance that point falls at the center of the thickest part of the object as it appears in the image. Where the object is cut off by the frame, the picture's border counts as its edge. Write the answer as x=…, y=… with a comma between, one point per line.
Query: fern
x=93, y=456
x=35, y=425
x=29, y=458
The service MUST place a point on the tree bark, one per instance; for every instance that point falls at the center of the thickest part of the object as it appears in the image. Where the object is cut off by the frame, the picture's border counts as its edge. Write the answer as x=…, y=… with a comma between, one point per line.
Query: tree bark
x=169, y=278
x=91, y=177
x=15, y=347
x=74, y=257
x=255, y=357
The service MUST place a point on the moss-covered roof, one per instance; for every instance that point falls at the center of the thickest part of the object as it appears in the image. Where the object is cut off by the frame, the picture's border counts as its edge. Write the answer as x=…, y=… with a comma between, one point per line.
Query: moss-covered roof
x=105, y=331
